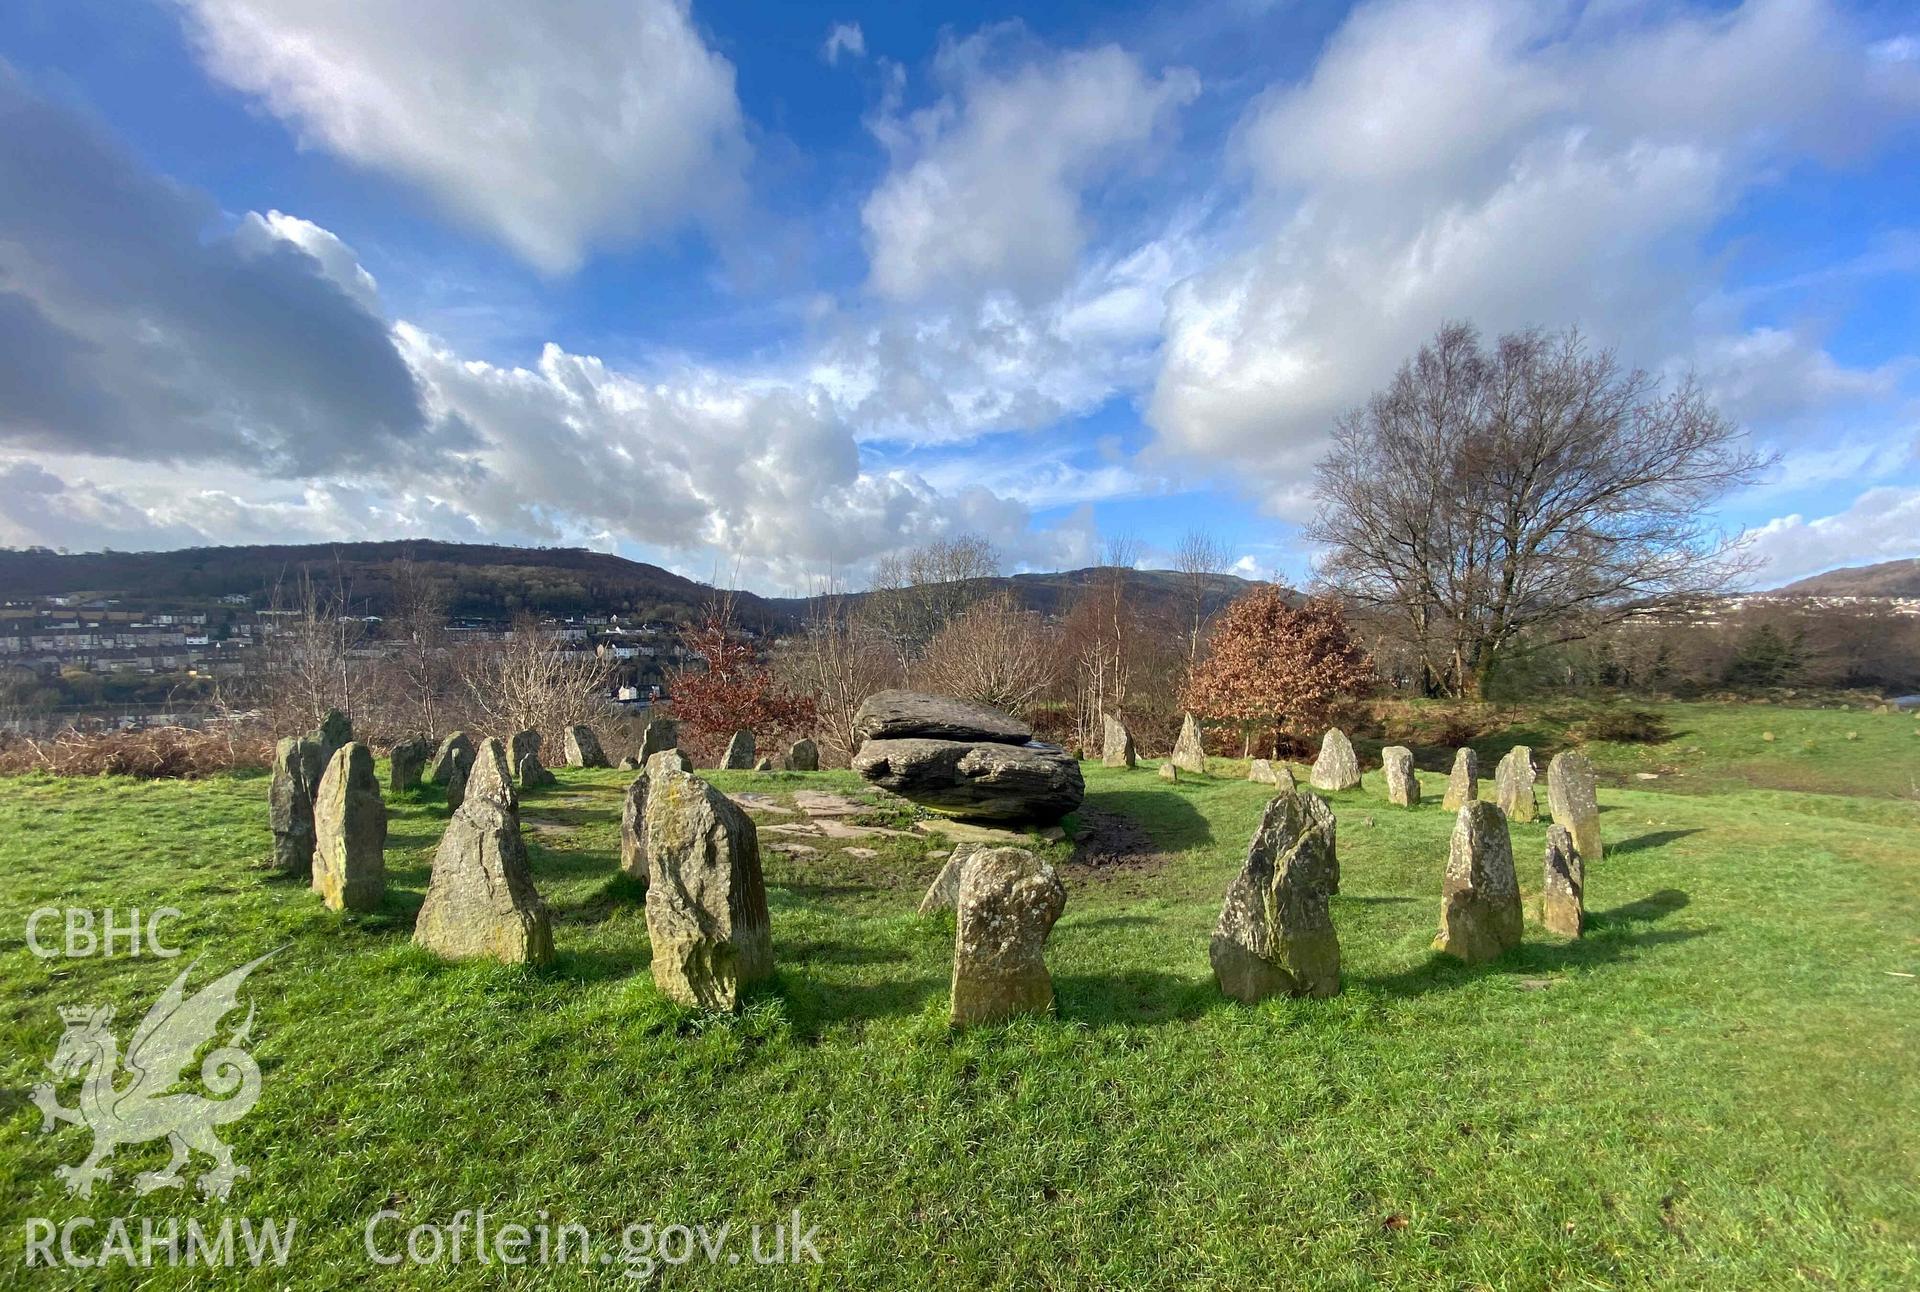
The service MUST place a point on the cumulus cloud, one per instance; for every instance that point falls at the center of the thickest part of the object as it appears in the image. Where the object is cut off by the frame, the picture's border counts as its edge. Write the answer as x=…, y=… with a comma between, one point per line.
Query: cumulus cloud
x=986, y=184
x=571, y=125
x=844, y=38
x=1880, y=525
x=338, y=264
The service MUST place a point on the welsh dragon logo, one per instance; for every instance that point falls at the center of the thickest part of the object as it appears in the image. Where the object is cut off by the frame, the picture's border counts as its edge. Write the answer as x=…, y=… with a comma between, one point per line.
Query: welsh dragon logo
x=146, y=1106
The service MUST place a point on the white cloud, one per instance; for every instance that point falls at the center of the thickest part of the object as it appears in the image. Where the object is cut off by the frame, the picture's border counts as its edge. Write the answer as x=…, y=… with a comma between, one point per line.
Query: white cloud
x=336, y=259
x=844, y=38
x=1882, y=524
x=558, y=128
x=986, y=184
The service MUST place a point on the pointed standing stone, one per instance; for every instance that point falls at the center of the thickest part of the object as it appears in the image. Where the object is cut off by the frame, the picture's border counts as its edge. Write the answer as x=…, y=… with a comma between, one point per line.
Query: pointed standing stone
x=455, y=751
x=521, y=744
x=1337, y=768
x=1403, y=787
x=582, y=747
x=803, y=756
x=1571, y=796
x=290, y=806
x=1480, y=899
x=1116, y=742
x=633, y=830
x=334, y=733
x=1266, y=772
x=481, y=901
x=1275, y=935
x=533, y=774
x=1513, y=781
x=1463, y=785
x=740, y=752
x=350, y=833
x=1007, y=903
x=1169, y=772
x=671, y=760
x=706, y=900
x=1563, y=890
x=661, y=733
x=406, y=761
x=1189, y=752
x=764, y=765
x=457, y=785
x=944, y=892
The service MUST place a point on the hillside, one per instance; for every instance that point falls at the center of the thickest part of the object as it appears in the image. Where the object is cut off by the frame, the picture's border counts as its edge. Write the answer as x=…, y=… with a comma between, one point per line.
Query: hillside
x=1887, y=579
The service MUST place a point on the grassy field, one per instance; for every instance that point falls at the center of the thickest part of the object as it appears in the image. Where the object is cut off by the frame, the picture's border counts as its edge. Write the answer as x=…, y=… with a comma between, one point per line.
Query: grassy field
x=1718, y=1087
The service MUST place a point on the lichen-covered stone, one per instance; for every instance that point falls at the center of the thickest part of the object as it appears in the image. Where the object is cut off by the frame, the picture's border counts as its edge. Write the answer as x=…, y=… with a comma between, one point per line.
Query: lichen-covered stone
x=290, y=806
x=1337, y=767
x=1563, y=889
x=982, y=780
x=1573, y=799
x=906, y=715
x=1190, y=751
x=944, y=892
x=1463, y=783
x=1403, y=787
x=764, y=765
x=481, y=901
x=661, y=733
x=1513, y=781
x=1267, y=772
x=1116, y=742
x=633, y=829
x=521, y=744
x=706, y=898
x=740, y=752
x=1480, y=916
x=454, y=751
x=334, y=733
x=582, y=747
x=405, y=763
x=533, y=773
x=673, y=759
x=803, y=756
x=1007, y=903
x=1275, y=934
x=350, y=833
x=1169, y=772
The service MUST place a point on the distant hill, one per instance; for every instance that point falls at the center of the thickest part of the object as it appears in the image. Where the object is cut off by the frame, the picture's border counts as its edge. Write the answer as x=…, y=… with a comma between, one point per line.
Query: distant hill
x=484, y=581
x=1887, y=579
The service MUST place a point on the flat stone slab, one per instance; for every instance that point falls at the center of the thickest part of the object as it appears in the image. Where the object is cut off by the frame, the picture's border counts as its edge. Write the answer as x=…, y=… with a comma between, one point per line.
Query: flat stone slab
x=795, y=827
x=827, y=803
x=971, y=832
x=841, y=830
x=757, y=802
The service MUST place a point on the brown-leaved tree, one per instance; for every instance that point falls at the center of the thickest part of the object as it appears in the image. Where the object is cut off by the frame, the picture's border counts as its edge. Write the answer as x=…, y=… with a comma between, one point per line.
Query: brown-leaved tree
x=1278, y=673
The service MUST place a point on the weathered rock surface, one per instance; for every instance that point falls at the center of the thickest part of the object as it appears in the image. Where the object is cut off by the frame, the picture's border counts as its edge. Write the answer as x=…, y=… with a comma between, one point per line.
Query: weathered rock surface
x=582, y=747
x=350, y=833
x=533, y=773
x=1268, y=772
x=706, y=899
x=661, y=733
x=1116, y=742
x=1513, y=780
x=1572, y=797
x=1563, y=889
x=406, y=761
x=457, y=786
x=1007, y=903
x=1275, y=934
x=900, y=715
x=334, y=733
x=290, y=806
x=481, y=901
x=1337, y=767
x=1480, y=899
x=985, y=780
x=521, y=744
x=803, y=756
x=764, y=765
x=1403, y=787
x=455, y=750
x=633, y=829
x=671, y=760
x=943, y=894
x=1190, y=751
x=740, y=752
x=1169, y=772
x=1463, y=783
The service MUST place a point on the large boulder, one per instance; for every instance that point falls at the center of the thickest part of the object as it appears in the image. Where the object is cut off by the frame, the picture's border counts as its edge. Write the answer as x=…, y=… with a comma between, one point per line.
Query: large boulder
x=706, y=899
x=1116, y=742
x=582, y=747
x=481, y=901
x=1189, y=751
x=1337, y=767
x=1480, y=899
x=803, y=756
x=1007, y=903
x=1563, y=889
x=350, y=833
x=981, y=779
x=899, y=715
x=455, y=751
x=406, y=761
x=290, y=806
x=1572, y=797
x=1403, y=787
x=1463, y=783
x=1275, y=935
x=1513, y=779
x=740, y=753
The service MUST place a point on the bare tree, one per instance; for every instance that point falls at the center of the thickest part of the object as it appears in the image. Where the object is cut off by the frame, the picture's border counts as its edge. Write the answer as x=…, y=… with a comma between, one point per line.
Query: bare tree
x=418, y=665
x=305, y=667
x=530, y=679
x=839, y=660
x=1199, y=556
x=994, y=653
x=918, y=592
x=1499, y=501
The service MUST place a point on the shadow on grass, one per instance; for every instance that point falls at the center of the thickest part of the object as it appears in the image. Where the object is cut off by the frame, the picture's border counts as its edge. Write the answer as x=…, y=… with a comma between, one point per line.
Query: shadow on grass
x=597, y=966
x=1133, y=996
x=1109, y=922
x=1175, y=824
x=1654, y=906
x=840, y=953
x=814, y=1006
x=1647, y=842
x=622, y=892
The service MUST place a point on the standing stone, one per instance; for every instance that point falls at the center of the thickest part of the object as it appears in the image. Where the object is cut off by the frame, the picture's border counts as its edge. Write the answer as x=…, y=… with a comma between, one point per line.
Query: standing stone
x=670, y=760
x=1263, y=771
x=1006, y=905
x=1169, y=772
x=706, y=900
x=1563, y=891
x=1571, y=797
x=764, y=765
x=582, y=747
x=313, y=764
x=1463, y=784
x=455, y=750
x=1403, y=787
x=1480, y=899
x=1116, y=742
x=457, y=785
x=661, y=733
x=1513, y=782
x=1337, y=768
x=481, y=901
x=943, y=894
x=407, y=760
x=1189, y=752
x=633, y=830
x=489, y=768
x=533, y=774
x=1275, y=934
x=803, y=756
x=290, y=806
x=522, y=744
x=740, y=752
x=350, y=833
x=334, y=733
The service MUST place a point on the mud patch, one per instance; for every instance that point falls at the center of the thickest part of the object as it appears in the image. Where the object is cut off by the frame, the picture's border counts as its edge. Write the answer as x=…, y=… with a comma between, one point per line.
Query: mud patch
x=1113, y=845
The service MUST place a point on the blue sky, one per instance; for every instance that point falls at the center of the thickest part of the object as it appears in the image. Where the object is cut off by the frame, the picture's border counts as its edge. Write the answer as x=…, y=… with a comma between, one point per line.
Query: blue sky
x=776, y=289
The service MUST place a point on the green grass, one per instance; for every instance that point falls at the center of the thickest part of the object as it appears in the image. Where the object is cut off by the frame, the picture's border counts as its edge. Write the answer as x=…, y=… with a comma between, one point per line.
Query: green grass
x=1717, y=1087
